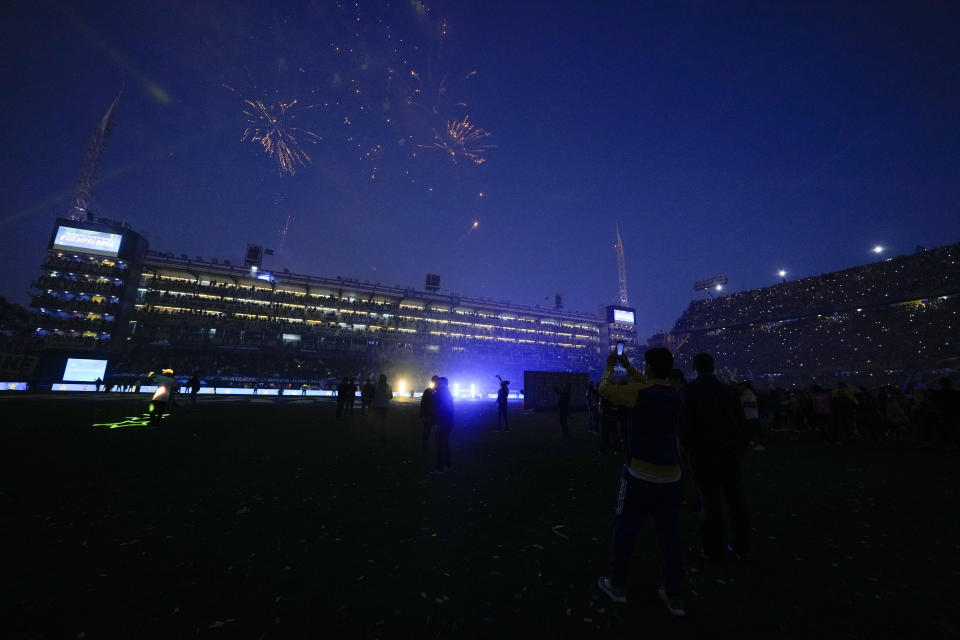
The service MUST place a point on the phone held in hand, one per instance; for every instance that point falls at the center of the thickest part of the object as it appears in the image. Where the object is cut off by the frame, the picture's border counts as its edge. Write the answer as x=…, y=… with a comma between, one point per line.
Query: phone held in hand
x=620, y=347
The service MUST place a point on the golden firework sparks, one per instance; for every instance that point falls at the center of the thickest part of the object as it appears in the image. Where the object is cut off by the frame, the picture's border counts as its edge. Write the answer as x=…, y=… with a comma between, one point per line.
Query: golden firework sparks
x=271, y=126
x=461, y=140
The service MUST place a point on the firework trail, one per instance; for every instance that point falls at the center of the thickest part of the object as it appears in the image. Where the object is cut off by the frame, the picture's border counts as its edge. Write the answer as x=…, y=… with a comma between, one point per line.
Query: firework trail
x=283, y=232
x=473, y=227
x=460, y=141
x=271, y=125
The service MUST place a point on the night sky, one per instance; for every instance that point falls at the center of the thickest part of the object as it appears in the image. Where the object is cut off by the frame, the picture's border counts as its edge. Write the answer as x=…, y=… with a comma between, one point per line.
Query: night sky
x=732, y=138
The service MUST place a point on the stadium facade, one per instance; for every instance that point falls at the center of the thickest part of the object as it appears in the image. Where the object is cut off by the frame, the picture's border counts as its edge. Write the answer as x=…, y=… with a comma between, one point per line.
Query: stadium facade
x=102, y=289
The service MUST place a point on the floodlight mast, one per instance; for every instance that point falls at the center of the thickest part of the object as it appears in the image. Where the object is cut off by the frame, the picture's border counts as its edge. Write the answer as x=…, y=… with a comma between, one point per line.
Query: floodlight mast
x=90, y=169
x=710, y=284
x=622, y=297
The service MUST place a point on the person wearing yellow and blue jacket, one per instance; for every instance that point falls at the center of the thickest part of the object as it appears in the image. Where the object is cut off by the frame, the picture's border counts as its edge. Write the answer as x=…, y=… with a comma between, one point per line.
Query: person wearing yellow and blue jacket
x=650, y=483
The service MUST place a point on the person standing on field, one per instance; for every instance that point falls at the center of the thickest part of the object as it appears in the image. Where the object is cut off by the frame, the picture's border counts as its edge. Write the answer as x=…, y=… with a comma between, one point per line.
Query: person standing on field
x=427, y=411
x=443, y=412
x=502, y=396
x=382, y=396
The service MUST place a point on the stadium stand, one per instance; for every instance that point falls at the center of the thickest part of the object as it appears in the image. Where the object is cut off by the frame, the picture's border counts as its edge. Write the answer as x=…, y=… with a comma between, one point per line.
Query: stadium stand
x=876, y=322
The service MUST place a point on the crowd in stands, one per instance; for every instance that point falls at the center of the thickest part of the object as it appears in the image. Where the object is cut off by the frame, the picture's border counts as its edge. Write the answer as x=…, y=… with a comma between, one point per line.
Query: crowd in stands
x=88, y=266
x=898, y=315
x=69, y=323
x=74, y=303
x=159, y=310
x=239, y=299
x=79, y=284
x=897, y=337
x=924, y=274
x=179, y=312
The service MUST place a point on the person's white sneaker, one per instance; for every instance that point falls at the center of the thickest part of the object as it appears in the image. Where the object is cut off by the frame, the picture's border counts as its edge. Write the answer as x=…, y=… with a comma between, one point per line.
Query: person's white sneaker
x=617, y=595
x=674, y=605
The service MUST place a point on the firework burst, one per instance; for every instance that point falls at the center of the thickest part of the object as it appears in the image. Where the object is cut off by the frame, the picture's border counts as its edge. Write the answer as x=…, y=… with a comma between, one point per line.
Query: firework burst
x=272, y=127
x=460, y=140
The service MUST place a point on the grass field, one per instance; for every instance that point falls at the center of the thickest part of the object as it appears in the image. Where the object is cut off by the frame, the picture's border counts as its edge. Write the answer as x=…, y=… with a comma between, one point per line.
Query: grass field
x=257, y=520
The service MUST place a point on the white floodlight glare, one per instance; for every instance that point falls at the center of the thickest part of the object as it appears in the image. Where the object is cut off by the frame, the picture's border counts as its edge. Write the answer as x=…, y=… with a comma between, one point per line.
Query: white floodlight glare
x=782, y=273
x=456, y=389
x=473, y=390
x=878, y=249
x=253, y=268
x=719, y=287
x=401, y=387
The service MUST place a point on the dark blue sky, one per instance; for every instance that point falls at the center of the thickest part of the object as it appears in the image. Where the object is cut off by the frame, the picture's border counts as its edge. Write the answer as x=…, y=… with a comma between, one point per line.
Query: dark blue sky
x=734, y=138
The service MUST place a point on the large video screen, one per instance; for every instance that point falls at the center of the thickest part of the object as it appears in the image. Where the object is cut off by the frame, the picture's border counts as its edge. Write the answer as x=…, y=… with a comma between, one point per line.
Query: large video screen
x=623, y=316
x=98, y=242
x=83, y=370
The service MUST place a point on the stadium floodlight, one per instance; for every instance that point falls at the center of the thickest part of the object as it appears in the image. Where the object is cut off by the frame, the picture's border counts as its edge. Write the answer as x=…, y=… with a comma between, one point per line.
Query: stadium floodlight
x=719, y=287
x=878, y=249
x=401, y=387
x=782, y=273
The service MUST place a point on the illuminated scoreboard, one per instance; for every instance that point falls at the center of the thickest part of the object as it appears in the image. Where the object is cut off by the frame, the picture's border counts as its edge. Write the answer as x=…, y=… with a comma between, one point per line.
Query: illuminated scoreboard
x=621, y=315
x=103, y=238
x=101, y=243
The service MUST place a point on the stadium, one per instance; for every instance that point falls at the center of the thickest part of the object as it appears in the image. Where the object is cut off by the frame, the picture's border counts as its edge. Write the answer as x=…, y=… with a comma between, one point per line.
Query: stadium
x=104, y=296
x=102, y=290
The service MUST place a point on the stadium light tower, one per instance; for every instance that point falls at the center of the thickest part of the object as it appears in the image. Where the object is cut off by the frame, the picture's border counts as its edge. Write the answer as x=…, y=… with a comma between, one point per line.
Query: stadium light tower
x=783, y=275
x=877, y=249
x=622, y=296
x=90, y=169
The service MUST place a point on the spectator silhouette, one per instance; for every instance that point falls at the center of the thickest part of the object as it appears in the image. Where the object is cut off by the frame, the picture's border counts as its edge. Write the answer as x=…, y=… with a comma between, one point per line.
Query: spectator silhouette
x=443, y=412
x=502, y=397
x=427, y=412
x=382, y=396
x=194, y=385
x=366, y=395
x=713, y=435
